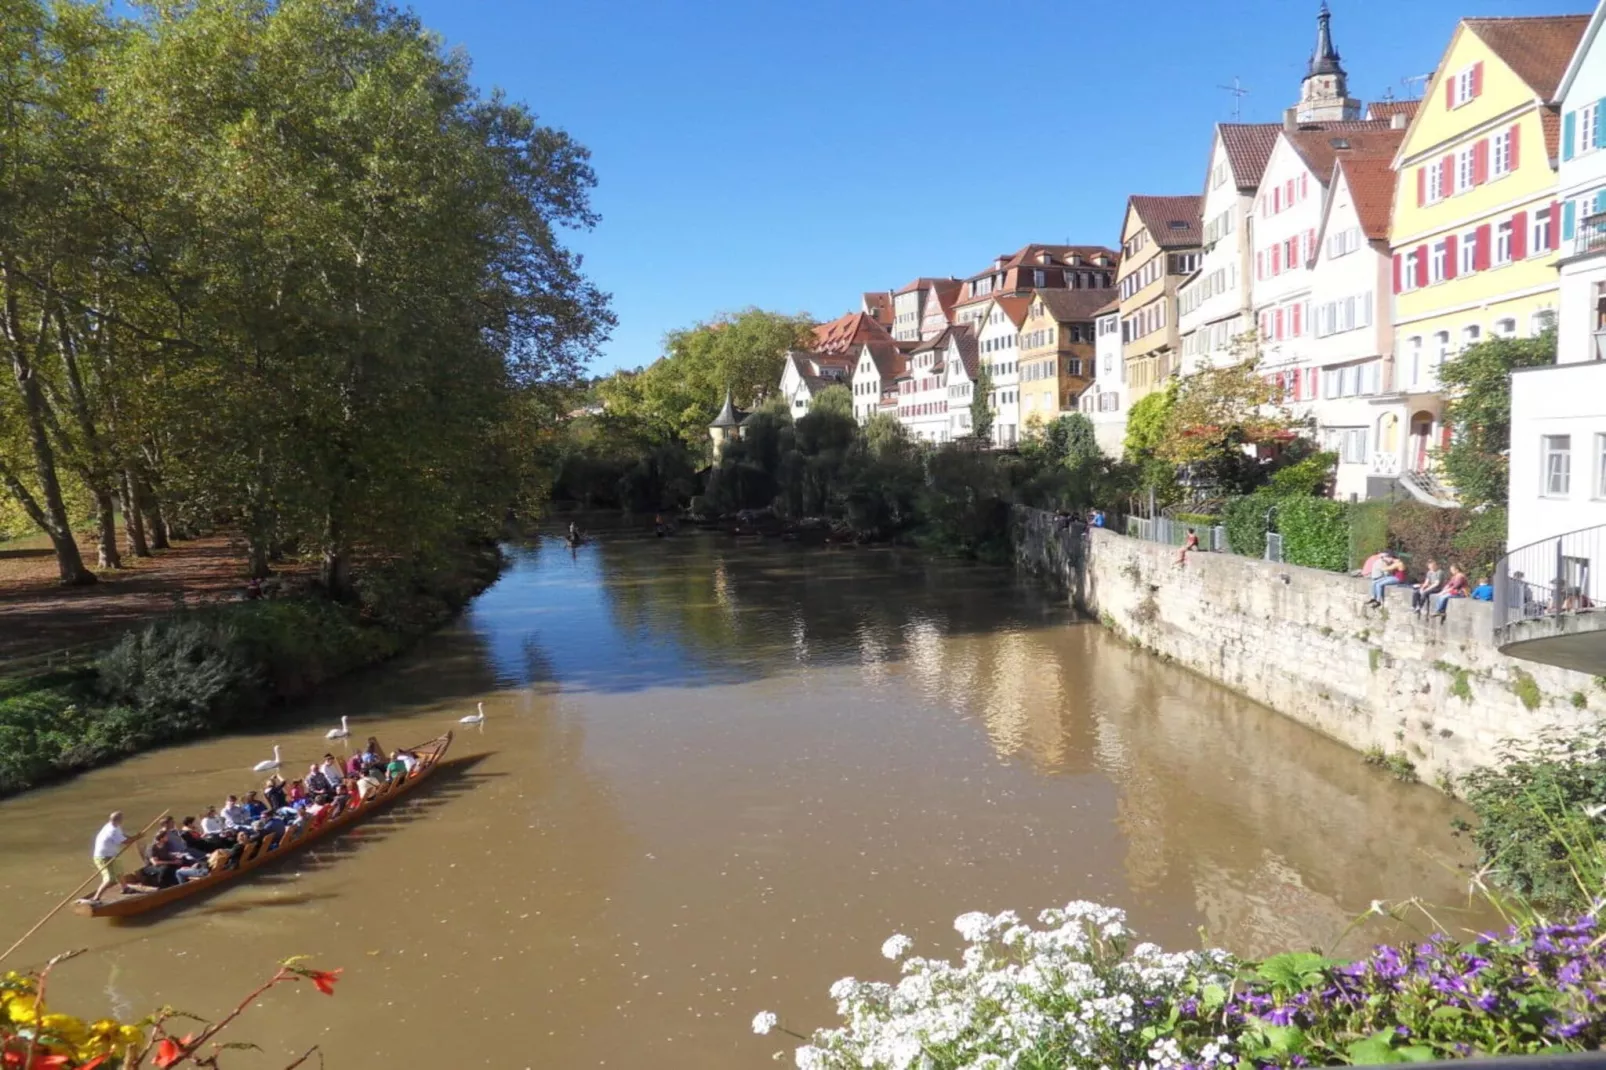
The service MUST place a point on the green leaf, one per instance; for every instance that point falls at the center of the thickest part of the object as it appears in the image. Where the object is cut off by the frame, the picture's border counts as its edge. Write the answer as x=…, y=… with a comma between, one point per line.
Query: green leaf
x=1213, y=998
x=1417, y=1053
x=1294, y=969
x=1374, y=1050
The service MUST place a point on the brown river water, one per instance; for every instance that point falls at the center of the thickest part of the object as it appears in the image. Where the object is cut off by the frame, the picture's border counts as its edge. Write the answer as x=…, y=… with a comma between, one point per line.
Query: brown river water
x=713, y=777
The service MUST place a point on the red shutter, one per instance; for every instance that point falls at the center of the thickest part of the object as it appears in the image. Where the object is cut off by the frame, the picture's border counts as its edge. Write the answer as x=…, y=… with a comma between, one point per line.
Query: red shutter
x=1297, y=321
x=1277, y=320
x=1480, y=162
x=1450, y=262
x=1516, y=128
x=1555, y=224
x=1288, y=198
x=1447, y=184
x=1477, y=79
x=1449, y=92
x=1421, y=266
x=1311, y=381
x=1298, y=393
x=1519, y=235
x=1276, y=260
x=1481, y=259
x=1397, y=276
x=1421, y=186
x=1310, y=243
x=1260, y=265
x=1304, y=186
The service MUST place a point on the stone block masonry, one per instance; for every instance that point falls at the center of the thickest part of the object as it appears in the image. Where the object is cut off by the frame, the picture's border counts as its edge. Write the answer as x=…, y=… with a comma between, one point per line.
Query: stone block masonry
x=1303, y=642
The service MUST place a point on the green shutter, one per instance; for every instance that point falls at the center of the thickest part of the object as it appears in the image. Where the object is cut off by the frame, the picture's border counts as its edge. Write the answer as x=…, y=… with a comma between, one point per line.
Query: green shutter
x=1569, y=128
x=1569, y=217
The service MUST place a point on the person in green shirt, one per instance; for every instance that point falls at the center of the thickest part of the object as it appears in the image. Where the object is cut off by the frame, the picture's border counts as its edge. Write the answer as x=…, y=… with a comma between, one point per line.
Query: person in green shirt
x=397, y=769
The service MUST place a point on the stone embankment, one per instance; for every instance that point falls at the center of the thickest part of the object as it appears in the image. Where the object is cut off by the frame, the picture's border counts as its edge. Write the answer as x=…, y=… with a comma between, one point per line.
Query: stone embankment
x=1302, y=641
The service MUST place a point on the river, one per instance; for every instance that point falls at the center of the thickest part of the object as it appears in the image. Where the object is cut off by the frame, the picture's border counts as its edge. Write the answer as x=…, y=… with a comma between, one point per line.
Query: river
x=713, y=777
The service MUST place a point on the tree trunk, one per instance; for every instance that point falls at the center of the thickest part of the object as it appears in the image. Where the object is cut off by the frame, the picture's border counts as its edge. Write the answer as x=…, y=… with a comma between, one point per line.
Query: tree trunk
x=51, y=514
x=257, y=547
x=131, y=518
x=155, y=522
x=107, y=513
x=335, y=569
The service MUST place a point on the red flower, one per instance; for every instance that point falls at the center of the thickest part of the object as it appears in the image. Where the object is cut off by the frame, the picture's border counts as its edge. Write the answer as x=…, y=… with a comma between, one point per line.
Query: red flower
x=324, y=979
x=170, y=1051
x=38, y=1062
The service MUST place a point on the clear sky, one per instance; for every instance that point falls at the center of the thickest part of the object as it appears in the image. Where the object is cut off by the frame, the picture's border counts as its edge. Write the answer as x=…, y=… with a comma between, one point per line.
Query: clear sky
x=794, y=155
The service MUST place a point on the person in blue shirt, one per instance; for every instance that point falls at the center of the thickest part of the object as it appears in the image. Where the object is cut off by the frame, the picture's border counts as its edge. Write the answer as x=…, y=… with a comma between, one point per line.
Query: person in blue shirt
x=1484, y=591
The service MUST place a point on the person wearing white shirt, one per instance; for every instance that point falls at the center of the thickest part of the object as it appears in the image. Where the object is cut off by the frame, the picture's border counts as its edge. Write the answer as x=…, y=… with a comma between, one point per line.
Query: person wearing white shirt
x=108, y=845
x=211, y=824
x=235, y=815
x=332, y=772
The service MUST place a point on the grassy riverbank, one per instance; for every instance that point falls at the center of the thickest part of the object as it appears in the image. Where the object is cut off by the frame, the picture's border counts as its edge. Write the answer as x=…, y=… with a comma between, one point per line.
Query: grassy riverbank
x=198, y=672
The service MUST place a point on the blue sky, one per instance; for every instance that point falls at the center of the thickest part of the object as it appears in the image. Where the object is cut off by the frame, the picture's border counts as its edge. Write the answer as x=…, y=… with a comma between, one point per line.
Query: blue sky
x=792, y=156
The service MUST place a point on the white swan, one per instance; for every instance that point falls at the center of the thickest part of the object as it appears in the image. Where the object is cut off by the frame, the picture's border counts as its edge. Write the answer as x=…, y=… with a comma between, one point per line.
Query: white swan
x=269, y=766
x=474, y=718
x=339, y=733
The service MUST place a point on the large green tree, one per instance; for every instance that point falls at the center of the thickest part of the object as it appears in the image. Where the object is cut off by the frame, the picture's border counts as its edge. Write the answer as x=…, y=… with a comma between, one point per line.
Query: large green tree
x=1478, y=382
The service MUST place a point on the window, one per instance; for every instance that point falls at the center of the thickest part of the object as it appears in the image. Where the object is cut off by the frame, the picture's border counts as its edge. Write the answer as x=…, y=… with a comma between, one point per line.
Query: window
x=1558, y=475
x=1539, y=240
x=1038, y=277
x=1471, y=335
x=1463, y=90
x=1500, y=154
x=1463, y=170
x=1435, y=181
x=1502, y=243
x=1408, y=274
x=1413, y=360
x=1506, y=328
x=1600, y=466
x=1587, y=129
x=1468, y=250
x=1438, y=261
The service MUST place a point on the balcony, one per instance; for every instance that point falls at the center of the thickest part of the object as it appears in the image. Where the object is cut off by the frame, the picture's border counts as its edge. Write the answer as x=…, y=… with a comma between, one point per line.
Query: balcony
x=1385, y=464
x=1546, y=602
x=1591, y=235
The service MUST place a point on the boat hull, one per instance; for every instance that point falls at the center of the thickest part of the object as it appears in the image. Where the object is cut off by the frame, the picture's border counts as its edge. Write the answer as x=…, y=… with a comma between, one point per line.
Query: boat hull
x=128, y=906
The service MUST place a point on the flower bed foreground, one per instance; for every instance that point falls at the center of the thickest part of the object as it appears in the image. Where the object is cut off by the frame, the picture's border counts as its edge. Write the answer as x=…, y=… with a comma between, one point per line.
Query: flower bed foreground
x=1076, y=992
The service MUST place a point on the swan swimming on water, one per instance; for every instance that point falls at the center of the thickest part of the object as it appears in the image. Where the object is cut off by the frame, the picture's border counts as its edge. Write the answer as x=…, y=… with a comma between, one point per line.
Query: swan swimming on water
x=474, y=718
x=339, y=733
x=268, y=766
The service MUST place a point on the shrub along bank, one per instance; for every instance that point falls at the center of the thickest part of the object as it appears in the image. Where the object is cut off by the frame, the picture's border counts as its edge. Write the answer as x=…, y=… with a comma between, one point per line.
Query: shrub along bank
x=223, y=667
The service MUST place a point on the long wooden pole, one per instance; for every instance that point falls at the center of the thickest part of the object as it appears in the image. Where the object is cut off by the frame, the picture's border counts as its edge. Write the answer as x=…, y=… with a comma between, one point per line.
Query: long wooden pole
x=57, y=909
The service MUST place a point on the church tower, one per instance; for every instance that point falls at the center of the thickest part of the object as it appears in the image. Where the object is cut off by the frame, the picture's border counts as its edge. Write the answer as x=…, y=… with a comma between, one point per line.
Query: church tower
x=1324, y=95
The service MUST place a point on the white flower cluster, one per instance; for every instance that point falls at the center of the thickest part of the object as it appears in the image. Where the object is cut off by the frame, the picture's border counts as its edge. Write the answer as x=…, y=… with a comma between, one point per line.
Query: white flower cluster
x=1070, y=990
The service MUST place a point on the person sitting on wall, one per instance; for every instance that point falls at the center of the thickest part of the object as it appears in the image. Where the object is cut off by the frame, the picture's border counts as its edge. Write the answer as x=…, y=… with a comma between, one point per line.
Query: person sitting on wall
x=1484, y=591
x=1393, y=576
x=1372, y=567
x=1455, y=587
x=1189, y=543
x=1432, y=583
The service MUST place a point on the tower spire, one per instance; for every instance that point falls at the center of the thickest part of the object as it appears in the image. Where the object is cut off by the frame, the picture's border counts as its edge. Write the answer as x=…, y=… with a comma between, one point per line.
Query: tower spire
x=1325, y=59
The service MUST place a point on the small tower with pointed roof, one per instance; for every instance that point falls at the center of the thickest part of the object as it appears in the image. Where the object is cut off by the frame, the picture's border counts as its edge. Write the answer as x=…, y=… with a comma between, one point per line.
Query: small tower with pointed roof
x=726, y=426
x=1324, y=95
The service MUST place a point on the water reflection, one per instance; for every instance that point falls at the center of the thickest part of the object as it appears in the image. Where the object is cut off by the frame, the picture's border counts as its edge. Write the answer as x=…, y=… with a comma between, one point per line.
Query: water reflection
x=714, y=776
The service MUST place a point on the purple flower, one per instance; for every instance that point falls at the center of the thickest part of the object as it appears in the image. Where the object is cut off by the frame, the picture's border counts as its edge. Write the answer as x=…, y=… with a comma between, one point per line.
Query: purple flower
x=1280, y=1015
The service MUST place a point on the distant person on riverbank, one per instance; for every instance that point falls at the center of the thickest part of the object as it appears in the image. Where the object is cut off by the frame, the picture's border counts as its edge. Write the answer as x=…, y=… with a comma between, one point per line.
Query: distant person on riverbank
x=108, y=844
x=1188, y=544
x=1393, y=576
x=1372, y=567
x=1455, y=587
x=1098, y=518
x=1432, y=583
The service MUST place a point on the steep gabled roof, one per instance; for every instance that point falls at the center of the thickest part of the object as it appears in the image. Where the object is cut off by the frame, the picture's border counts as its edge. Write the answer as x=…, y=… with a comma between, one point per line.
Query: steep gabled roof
x=1075, y=306
x=729, y=415
x=1248, y=147
x=1320, y=149
x=1371, y=186
x=964, y=339
x=890, y=360
x=1113, y=305
x=878, y=304
x=1015, y=308
x=846, y=332
x=1538, y=50
x=1172, y=222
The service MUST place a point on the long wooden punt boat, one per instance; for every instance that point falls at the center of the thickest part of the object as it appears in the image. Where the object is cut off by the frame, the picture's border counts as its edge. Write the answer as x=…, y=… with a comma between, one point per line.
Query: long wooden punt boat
x=263, y=853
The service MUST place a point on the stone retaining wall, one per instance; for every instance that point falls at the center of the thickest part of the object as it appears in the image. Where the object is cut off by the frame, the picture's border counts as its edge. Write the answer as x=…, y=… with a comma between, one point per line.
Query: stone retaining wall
x=1303, y=642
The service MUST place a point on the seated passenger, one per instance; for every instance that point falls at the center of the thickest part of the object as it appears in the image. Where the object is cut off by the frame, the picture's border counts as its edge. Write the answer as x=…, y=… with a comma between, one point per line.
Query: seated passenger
x=368, y=785
x=211, y=823
x=409, y=759
x=235, y=816
x=273, y=792
x=296, y=792
x=254, y=805
x=396, y=769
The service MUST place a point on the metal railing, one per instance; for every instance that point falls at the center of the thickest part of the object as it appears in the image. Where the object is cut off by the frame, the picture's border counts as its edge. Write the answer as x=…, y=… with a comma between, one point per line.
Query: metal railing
x=1172, y=532
x=1591, y=236
x=1551, y=577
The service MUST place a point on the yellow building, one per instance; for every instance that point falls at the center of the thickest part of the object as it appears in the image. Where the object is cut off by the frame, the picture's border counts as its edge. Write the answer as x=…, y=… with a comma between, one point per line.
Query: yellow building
x=1476, y=225
x=1159, y=250
x=1056, y=352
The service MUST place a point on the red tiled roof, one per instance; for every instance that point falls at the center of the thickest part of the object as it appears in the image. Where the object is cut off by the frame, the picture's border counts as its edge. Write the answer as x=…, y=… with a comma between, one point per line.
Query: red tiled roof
x=1320, y=149
x=1172, y=222
x=1248, y=148
x=1114, y=305
x=1388, y=109
x=1536, y=49
x=920, y=284
x=889, y=359
x=1550, y=123
x=878, y=303
x=847, y=332
x=969, y=352
x=1371, y=186
x=1015, y=308
x=1059, y=256
x=1075, y=306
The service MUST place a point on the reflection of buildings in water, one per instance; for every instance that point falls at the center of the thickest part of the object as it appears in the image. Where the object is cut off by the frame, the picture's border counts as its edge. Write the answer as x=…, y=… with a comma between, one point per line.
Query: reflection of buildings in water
x=875, y=651
x=922, y=638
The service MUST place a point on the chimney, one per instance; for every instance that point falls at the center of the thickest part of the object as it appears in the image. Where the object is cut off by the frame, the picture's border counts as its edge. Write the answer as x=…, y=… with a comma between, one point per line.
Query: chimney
x=1398, y=121
x=1290, y=123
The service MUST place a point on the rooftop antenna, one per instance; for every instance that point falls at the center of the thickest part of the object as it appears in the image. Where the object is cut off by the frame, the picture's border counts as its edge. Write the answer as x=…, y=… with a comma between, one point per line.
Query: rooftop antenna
x=1238, y=93
x=1416, y=84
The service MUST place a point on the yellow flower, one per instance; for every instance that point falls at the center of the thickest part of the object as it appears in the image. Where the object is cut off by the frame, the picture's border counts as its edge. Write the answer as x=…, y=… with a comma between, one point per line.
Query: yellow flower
x=22, y=1010
x=65, y=1026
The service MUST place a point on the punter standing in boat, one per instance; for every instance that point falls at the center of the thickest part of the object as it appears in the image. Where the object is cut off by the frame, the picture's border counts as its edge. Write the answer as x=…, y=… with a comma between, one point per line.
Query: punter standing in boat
x=108, y=845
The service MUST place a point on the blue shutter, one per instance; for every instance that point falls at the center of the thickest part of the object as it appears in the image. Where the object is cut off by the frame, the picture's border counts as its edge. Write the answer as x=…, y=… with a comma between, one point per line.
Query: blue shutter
x=1600, y=127
x=1600, y=203
x=1569, y=129
x=1569, y=217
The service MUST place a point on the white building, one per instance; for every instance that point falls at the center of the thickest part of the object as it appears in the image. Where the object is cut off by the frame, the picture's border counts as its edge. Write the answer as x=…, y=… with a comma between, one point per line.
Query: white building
x=924, y=402
x=876, y=371
x=805, y=374
x=998, y=348
x=1104, y=401
x=1214, y=305
x=911, y=304
x=1288, y=212
x=1558, y=412
x=1351, y=327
